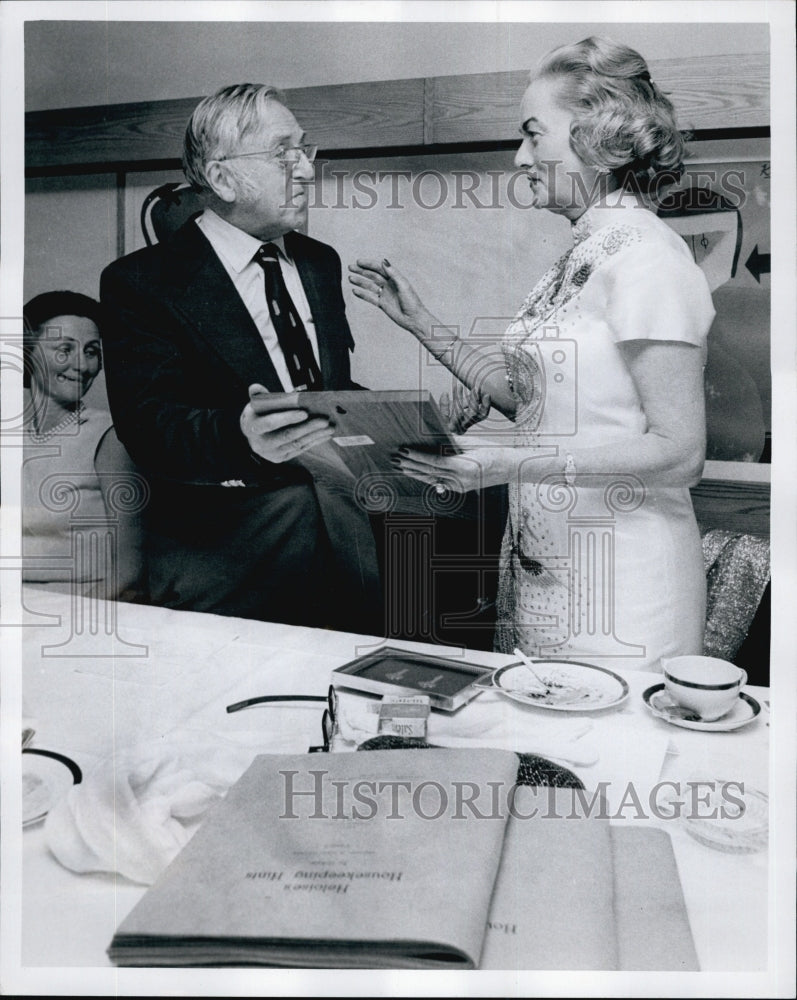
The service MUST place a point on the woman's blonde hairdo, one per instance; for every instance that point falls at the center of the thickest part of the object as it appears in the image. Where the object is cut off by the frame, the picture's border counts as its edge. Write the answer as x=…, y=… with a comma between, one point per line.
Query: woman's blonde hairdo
x=623, y=124
x=219, y=123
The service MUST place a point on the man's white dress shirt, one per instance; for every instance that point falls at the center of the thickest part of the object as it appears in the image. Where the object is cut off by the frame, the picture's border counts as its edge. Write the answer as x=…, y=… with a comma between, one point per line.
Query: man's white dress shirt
x=236, y=250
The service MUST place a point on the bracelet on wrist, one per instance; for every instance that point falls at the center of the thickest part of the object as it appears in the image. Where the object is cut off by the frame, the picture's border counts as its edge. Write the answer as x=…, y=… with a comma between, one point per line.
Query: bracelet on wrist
x=449, y=347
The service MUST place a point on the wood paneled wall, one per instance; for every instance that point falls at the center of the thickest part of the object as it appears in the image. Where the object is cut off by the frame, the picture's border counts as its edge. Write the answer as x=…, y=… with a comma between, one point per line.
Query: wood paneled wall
x=712, y=94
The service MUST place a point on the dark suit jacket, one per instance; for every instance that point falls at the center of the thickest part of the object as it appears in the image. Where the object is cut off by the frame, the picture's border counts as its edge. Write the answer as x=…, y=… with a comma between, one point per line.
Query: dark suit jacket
x=180, y=351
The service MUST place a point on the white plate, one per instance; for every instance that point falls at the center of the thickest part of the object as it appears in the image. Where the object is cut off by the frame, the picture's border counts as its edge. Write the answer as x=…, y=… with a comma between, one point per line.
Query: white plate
x=574, y=687
x=46, y=777
x=658, y=700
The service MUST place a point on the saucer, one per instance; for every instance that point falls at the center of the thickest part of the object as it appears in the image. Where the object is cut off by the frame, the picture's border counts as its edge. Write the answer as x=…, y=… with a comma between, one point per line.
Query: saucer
x=658, y=700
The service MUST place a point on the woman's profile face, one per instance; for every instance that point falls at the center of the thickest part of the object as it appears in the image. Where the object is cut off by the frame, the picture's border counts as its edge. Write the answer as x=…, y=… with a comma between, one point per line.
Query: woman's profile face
x=560, y=181
x=66, y=358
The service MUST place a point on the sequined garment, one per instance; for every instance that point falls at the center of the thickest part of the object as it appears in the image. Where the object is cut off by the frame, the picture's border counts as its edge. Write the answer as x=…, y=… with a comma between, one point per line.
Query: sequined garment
x=610, y=570
x=737, y=570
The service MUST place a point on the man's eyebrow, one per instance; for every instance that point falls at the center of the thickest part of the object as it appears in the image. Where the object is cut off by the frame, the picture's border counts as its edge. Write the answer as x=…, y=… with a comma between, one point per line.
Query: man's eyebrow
x=285, y=138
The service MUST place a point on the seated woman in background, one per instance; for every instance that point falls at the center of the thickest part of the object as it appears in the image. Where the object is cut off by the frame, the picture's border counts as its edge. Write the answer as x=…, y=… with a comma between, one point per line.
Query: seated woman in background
x=601, y=372
x=81, y=494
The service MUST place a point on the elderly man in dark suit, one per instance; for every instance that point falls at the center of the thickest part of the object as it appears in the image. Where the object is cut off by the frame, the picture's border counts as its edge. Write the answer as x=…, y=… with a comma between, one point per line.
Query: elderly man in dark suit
x=202, y=329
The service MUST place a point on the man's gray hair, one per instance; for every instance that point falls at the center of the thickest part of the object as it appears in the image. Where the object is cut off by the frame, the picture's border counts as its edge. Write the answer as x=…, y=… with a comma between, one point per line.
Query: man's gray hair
x=218, y=125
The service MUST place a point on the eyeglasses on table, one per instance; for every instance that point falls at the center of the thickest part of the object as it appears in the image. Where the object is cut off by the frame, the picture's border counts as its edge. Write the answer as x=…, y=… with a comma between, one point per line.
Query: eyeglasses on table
x=327, y=719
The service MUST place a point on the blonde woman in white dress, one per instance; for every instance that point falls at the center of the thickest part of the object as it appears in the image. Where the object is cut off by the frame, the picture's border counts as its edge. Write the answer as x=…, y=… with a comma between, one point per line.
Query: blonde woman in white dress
x=602, y=377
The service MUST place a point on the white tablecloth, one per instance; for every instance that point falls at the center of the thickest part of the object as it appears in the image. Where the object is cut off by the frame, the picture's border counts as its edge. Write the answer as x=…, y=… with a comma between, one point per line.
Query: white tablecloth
x=97, y=685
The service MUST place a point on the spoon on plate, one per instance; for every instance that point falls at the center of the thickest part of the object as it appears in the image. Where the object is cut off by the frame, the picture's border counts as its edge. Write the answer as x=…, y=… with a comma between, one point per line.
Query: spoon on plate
x=676, y=712
x=546, y=689
x=672, y=710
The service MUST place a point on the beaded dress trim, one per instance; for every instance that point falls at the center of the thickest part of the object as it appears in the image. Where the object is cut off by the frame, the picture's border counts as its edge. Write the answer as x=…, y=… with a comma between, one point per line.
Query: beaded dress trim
x=593, y=246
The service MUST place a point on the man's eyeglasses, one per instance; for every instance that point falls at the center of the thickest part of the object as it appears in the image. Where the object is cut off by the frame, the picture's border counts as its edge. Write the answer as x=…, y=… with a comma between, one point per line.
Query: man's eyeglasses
x=285, y=154
x=327, y=720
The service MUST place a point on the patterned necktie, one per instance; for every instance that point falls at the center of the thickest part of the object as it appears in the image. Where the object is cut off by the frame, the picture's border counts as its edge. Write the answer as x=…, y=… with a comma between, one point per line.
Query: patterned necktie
x=292, y=337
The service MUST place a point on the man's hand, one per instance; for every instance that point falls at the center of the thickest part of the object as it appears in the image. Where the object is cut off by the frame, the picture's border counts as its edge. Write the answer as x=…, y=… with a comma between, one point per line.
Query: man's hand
x=280, y=434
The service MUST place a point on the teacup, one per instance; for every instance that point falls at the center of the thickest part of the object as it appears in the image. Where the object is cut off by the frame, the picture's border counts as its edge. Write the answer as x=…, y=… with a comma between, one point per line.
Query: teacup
x=705, y=685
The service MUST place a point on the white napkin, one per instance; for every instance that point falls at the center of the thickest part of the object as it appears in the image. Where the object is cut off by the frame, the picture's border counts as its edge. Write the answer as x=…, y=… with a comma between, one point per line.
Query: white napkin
x=134, y=812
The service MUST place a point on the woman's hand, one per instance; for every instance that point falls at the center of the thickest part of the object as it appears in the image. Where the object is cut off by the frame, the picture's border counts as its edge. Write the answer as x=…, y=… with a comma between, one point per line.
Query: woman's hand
x=464, y=408
x=379, y=283
x=383, y=286
x=476, y=470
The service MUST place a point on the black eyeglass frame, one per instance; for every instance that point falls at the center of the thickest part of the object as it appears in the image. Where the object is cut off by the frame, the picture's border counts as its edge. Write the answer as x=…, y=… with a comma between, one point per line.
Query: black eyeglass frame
x=327, y=719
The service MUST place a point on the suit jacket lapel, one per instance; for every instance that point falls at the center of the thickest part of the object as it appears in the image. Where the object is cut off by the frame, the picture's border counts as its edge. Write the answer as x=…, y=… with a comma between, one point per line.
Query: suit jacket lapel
x=208, y=298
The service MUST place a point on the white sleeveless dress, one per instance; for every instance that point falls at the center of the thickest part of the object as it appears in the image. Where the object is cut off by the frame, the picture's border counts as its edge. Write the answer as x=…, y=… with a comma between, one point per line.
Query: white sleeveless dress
x=611, y=571
x=61, y=493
